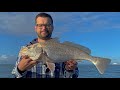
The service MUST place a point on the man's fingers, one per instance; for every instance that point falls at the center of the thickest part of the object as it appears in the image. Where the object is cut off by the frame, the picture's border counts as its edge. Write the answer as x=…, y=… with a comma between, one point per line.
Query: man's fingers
x=33, y=62
x=25, y=56
x=71, y=64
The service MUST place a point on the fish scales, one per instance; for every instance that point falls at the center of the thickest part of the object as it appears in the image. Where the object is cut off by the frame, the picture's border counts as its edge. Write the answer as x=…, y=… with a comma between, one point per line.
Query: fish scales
x=54, y=51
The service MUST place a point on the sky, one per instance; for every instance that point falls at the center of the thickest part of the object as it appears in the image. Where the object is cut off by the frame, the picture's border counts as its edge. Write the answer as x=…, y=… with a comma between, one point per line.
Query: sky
x=99, y=31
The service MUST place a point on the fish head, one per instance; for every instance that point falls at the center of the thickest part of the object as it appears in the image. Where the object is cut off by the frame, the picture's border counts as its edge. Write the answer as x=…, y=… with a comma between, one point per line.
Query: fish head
x=33, y=51
x=23, y=51
x=38, y=52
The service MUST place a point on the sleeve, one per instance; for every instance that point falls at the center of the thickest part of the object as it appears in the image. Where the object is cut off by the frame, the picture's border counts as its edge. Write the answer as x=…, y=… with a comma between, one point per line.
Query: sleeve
x=15, y=70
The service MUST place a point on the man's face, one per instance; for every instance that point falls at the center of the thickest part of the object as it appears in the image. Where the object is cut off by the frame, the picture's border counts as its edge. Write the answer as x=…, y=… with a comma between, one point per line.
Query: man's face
x=44, y=27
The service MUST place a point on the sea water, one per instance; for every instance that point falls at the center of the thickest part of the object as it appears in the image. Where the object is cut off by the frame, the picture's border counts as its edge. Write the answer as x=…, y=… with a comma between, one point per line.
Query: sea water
x=85, y=71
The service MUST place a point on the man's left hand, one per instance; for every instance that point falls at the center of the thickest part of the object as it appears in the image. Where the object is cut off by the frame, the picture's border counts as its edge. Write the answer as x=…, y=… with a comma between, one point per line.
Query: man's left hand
x=70, y=64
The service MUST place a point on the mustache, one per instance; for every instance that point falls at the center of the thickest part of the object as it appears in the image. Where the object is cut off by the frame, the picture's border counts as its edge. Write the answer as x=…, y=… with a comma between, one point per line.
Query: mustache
x=45, y=31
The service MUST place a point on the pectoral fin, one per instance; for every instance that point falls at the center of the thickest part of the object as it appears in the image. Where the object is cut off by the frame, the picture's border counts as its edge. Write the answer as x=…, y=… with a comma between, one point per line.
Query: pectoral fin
x=48, y=62
x=51, y=66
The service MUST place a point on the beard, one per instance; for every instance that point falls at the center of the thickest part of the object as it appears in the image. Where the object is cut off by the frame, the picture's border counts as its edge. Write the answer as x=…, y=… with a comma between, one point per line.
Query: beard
x=45, y=37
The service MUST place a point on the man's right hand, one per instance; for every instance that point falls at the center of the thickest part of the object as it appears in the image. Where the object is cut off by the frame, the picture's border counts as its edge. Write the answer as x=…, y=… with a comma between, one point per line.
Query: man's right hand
x=26, y=63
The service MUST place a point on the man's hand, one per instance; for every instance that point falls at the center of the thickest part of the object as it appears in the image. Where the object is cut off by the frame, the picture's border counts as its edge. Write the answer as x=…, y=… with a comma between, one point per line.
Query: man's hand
x=26, y=63
x=70, y=64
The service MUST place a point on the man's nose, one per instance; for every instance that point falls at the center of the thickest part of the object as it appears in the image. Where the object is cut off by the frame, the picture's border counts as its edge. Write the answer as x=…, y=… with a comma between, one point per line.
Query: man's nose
x=44, y=27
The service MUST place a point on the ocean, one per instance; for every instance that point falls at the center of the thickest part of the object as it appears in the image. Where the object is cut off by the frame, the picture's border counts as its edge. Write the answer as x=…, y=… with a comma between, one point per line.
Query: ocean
x=85, y=71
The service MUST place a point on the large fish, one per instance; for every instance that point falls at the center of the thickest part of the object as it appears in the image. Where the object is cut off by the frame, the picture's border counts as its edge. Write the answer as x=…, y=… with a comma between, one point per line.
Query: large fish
x=53, y=51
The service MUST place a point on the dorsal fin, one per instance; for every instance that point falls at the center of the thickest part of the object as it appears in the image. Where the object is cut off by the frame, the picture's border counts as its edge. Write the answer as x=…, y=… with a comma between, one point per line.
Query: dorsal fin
x=56, y=39
x=50, y=41
x=53, y=40
x=85, y=49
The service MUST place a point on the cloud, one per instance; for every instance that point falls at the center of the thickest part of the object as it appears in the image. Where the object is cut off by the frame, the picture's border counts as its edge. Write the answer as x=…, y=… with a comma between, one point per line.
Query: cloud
x=3, y=57
x=85, y=22
x=22, y=23
x=17, y=23
x=8, y=59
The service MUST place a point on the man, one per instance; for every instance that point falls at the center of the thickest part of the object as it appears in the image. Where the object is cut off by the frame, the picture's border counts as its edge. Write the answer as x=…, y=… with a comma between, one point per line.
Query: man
x=28, y=68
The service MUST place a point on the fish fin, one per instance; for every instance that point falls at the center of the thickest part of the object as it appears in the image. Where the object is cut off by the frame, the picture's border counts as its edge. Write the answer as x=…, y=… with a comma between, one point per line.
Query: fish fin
x=101, y=63
x=56, y=39
x=51, y=66
x=53, y=40
x=46, y=60
x=83, y=48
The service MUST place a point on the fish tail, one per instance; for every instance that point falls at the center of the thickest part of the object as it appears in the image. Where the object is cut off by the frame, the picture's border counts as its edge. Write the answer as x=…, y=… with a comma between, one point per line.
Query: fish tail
x=101, y=63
